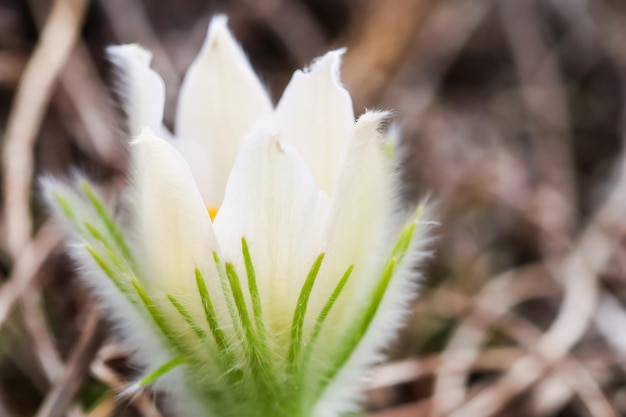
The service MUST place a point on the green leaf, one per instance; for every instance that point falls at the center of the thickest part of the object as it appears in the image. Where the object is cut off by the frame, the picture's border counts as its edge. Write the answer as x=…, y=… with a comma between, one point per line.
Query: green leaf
x=359, y=331
x=406, y=235
x=253, y=289
x=108, y=221
x=97, y=235
x=319, y=323
x=65, y=207
x=356, y=335
x=300, y=312
x=158, y=319
x=187, y=317
x=108, y=271
x=256, y=349
x=209, y=311
x=240, y=302
x=228, y=296
x=161, y=370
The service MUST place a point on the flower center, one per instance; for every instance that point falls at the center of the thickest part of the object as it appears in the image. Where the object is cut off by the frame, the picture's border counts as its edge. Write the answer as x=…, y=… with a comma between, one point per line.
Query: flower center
x=212, y=210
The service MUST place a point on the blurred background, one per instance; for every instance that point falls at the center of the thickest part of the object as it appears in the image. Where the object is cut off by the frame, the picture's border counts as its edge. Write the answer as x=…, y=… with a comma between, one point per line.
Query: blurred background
x=512, y=115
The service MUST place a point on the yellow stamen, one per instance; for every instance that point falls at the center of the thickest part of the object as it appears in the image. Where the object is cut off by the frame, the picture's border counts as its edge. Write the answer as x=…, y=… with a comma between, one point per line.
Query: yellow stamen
x=212, y=212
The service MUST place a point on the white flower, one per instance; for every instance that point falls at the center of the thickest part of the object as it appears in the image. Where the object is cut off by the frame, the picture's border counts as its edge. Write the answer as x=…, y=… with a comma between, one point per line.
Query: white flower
x=278, y=306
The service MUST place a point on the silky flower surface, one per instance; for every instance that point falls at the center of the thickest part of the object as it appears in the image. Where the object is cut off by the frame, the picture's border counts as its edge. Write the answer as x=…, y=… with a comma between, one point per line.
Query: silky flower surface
x=260, y=261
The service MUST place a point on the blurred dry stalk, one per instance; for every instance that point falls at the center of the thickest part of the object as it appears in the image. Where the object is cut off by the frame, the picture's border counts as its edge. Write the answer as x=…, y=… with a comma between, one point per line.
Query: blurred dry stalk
x=513, y=113
x=31, y=99
x=380, y=42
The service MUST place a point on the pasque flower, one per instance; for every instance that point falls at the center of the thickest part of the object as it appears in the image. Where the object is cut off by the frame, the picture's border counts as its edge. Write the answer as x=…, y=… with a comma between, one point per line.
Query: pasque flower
x=260, y=260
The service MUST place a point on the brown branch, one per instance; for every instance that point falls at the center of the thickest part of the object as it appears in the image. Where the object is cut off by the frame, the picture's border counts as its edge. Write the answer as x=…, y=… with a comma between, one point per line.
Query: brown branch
x=91, y=105
x=439, y=41
x=33, y=94
x=60, y=397
x=39, y=332
x=379, y=45
x=579, y=271
x=26, y=268
x=408, y=370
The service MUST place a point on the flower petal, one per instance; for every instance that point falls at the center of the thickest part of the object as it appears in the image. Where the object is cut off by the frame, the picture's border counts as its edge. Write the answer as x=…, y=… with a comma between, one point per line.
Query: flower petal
x=357, y=233
x=143, y=89
x=357, y=221
x=315, y=116
x=174, y=235
x=221, y=99
x=270, y=200
x=345, y=390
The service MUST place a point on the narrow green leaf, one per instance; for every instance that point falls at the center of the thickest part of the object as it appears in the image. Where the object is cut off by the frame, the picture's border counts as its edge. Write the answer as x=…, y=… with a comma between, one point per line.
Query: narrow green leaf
x=319, y=323
x=161, y=370
x=65, y=206
x=404, y=240
x=115, y=259
x=397, y=254
x=379, y=293
x=106, y=218
x=185, y=314
x=359, y=331
x=154, y=312
x=97, y=235
x=240, y=302
x=406, y=235
x=209, y=311
x=300, y=312
x=254, y=291
x=252, y=284
x=256, y=349
x=228, y=296
x=121, y=286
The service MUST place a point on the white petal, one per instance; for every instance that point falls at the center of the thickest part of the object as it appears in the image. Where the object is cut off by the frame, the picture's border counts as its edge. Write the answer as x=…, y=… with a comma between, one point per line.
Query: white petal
x=202, y=162
x=357, y=221
x=270, y=200
x=346, y=389
x=315, y=116
x=361, y=232
x=221, y=99
x=142, y=88
x=173, y=229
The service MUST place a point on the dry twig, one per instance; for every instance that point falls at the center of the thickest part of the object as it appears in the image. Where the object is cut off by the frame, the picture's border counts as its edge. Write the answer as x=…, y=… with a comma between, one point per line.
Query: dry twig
x=387, y=31
x=26, y=267
x=62, y=394
x=35, y=88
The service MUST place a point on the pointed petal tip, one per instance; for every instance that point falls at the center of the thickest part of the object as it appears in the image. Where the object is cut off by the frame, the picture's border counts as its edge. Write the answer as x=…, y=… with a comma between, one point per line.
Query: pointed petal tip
x=328, y=64
x=130, y=51
x=372, y=120
x=220, y=101
x=315, y=115
x=331, y=59
x=219, y=21
x=219, y=33
x=371, y=115
x=142, y=89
